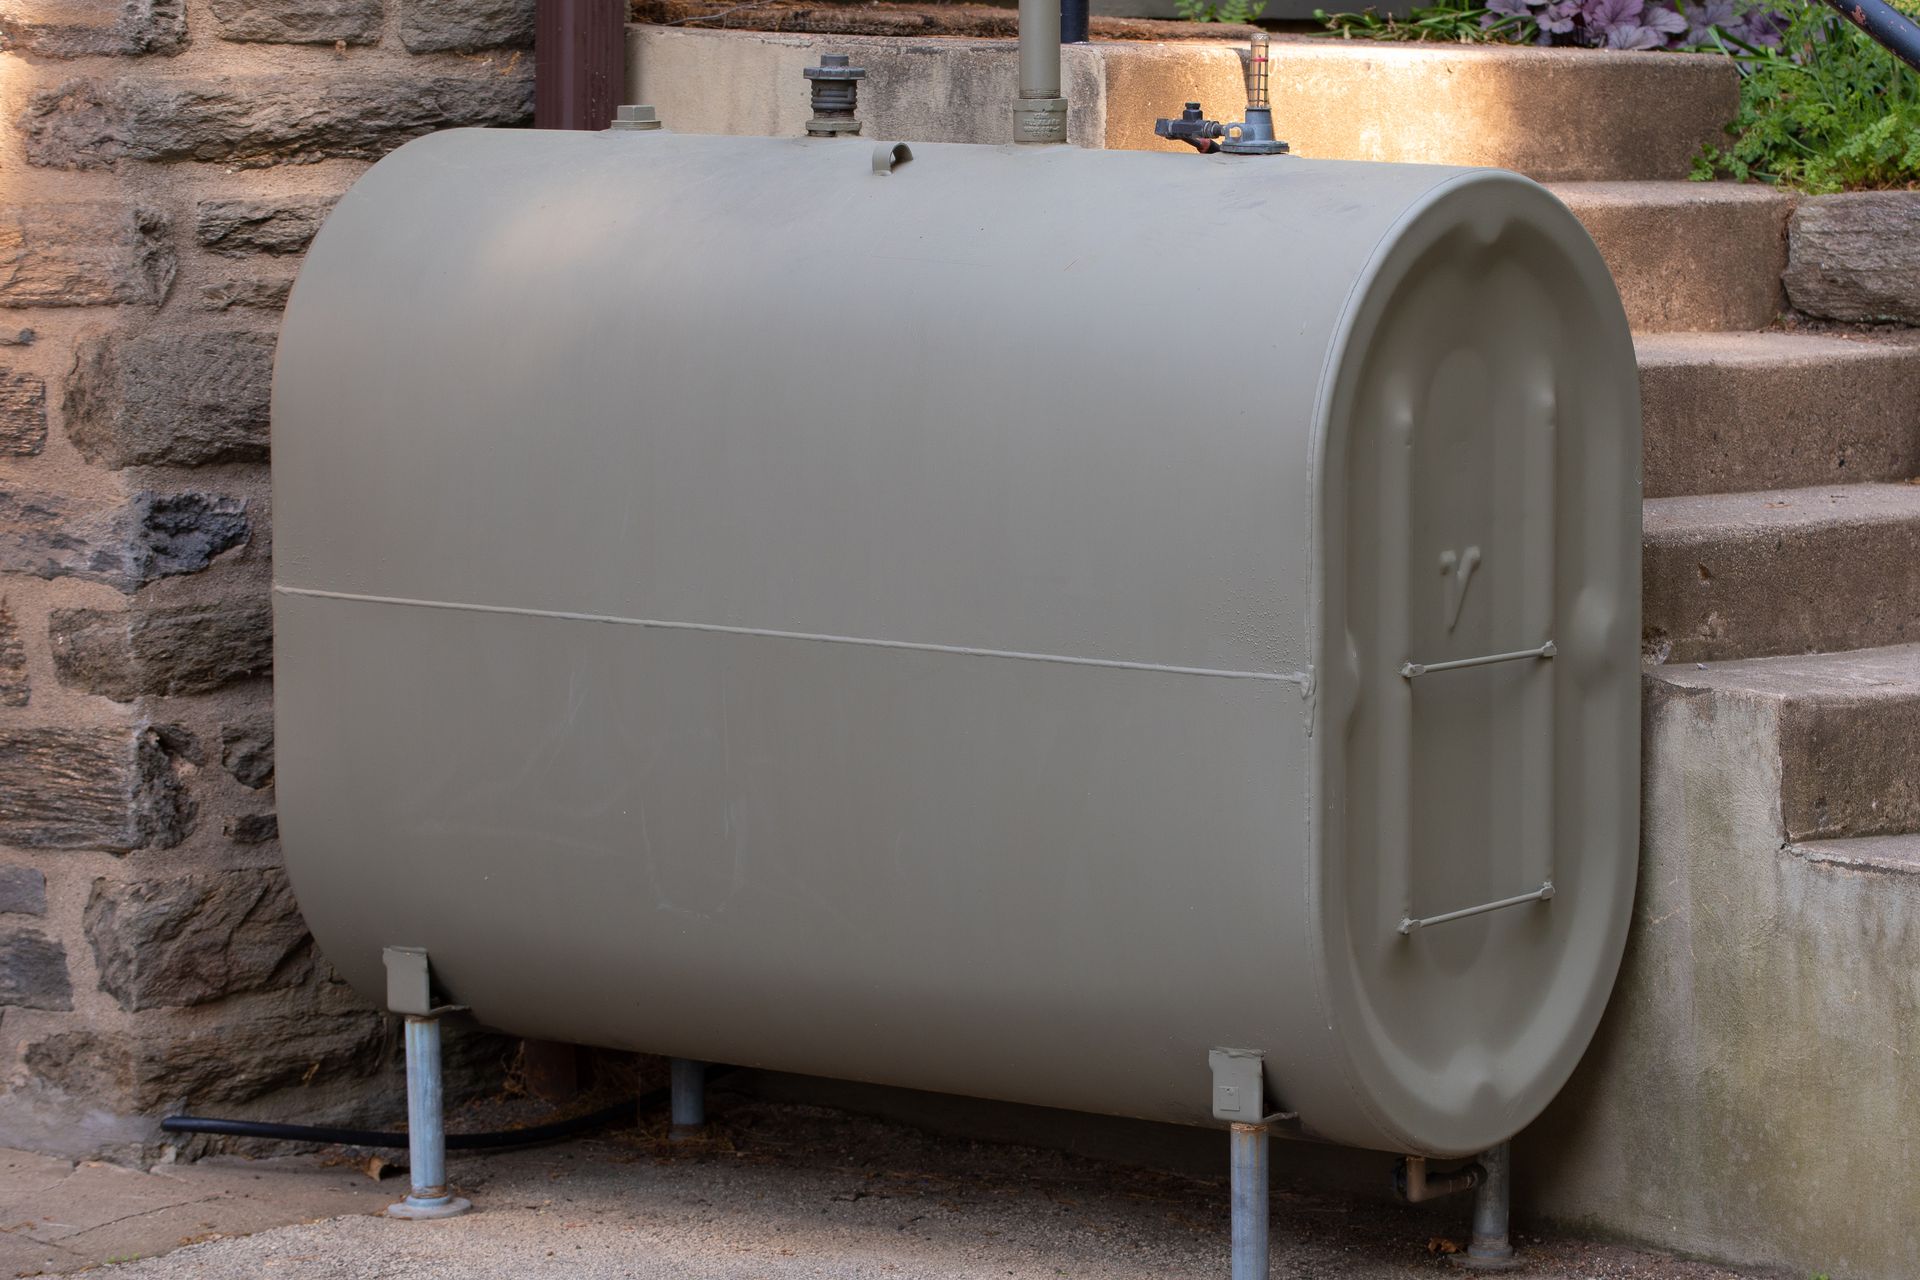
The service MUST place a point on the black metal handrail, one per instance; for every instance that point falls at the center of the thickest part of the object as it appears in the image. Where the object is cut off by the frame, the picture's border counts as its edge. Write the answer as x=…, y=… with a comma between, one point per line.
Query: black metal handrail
x=1886, y=24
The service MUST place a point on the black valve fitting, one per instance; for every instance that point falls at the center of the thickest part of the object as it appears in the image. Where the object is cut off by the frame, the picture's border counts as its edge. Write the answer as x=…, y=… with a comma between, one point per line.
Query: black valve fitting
x=1192, y=128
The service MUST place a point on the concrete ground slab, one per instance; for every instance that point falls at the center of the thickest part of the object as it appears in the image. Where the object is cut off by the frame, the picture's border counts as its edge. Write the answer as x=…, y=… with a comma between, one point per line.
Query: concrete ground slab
x=781, y=1192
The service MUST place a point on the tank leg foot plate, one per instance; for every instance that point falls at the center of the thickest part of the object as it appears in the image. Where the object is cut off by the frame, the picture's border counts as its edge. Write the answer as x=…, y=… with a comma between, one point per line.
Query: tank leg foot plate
x=1467, y=1261
x=423, y=1210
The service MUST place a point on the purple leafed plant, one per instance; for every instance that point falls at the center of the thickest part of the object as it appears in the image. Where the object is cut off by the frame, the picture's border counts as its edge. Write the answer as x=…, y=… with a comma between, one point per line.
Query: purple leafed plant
x=1635, y=24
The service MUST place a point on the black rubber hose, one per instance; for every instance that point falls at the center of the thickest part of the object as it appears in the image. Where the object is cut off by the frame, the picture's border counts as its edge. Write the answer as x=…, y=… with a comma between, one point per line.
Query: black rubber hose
x=530, y=1136
x=1886, y=24
x=533, y=1135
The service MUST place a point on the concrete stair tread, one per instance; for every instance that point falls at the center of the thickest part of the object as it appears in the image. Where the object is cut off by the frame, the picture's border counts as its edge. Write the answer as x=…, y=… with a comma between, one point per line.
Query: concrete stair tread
x=1889, y=855
x=1736, y=412
x=1703, y=518
x=1890, y=672
x=1768, y=348
x=1848, y=729
x=1666, y=193
x=1688, y=255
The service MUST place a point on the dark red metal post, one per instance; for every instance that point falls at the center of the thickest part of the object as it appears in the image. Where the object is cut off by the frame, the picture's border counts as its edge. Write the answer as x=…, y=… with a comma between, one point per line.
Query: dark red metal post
x=580, y=63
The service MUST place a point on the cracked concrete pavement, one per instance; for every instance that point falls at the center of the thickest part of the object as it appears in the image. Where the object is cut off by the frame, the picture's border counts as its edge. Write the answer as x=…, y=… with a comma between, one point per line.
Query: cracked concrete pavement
x=58, y=1216
x=778, y=1192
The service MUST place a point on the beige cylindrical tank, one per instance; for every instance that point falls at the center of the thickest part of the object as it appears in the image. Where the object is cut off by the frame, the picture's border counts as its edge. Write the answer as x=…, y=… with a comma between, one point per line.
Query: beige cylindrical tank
x=1008, y=625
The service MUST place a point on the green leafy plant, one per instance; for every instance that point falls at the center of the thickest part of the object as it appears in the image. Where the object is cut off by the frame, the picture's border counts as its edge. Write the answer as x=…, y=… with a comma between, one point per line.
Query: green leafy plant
x=1827, y=110
x=1451, y=21
x=1239, y=12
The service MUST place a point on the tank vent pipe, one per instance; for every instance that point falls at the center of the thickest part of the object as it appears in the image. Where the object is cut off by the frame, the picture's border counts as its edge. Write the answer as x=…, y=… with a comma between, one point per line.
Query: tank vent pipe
x=1040, y=113
x=836, y=96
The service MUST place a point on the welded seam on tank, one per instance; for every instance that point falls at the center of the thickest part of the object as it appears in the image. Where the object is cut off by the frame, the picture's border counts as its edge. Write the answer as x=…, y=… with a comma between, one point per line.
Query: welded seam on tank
x=1298, y=678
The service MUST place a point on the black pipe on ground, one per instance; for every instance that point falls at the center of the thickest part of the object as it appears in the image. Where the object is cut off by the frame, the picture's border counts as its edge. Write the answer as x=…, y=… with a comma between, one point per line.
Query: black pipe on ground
x=533, y=1135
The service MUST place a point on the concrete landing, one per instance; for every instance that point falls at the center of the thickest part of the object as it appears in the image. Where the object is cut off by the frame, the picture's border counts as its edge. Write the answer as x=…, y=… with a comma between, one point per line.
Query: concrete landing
x=782, y=1192
x=57, y=1216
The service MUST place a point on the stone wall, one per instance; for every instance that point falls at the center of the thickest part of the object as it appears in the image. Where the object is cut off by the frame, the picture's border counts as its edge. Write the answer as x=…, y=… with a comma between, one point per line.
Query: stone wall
x=163, y=164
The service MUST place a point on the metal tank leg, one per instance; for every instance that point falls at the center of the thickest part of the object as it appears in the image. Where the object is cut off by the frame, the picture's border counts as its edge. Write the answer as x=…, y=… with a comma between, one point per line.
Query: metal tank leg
x=689, y=1086
x=1250, y=1201
x=426, y=1133
x=1240, y=1099
x=1490, y=1248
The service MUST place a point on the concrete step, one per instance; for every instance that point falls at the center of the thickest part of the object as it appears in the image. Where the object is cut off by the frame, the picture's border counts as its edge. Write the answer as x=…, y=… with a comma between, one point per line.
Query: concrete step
x=1688, y=255
x=1556, y=115
x=1764, y=1013
x=1731, y=412
x=1553, y=114
x=1780, y=571
x=1848, y=731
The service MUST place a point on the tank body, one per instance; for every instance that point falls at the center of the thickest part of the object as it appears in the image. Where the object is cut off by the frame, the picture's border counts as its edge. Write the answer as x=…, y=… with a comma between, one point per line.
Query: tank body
x=951, y=627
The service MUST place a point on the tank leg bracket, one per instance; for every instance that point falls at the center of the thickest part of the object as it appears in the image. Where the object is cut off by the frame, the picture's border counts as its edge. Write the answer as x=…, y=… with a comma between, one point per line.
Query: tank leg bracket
x=1240, y=1098
x=409, y=994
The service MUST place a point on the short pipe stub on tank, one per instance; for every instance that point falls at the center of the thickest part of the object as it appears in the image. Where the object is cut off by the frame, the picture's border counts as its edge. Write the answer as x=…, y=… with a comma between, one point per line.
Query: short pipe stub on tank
x=836, y=96
x=636, y=117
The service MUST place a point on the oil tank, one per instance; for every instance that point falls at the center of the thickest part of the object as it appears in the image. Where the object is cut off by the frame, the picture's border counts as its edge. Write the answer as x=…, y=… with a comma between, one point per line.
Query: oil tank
x=1004, y=620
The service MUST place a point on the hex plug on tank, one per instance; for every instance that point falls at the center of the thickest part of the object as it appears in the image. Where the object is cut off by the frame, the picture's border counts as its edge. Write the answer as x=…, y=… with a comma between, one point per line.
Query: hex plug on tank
x=836, y=96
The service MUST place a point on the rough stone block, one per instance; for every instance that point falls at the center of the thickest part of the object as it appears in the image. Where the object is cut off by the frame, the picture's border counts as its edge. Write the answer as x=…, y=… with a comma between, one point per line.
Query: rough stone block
x=1856, y=257
x=90, y=28
x=23, y=414
x=254, y=292
x=112, y=788
x=241, y=1054
x=246, y=749
x=125, y=545
x=83, y=255
x=429, y=26
x=33, y=971
x=171, y=399
x=13, y=660
x=362, y=115
x=186, y=940
x=300, y=21
x=125, y=653
x=252, y=828
x=272, y=225
x=23, y=891
x=16, y=337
